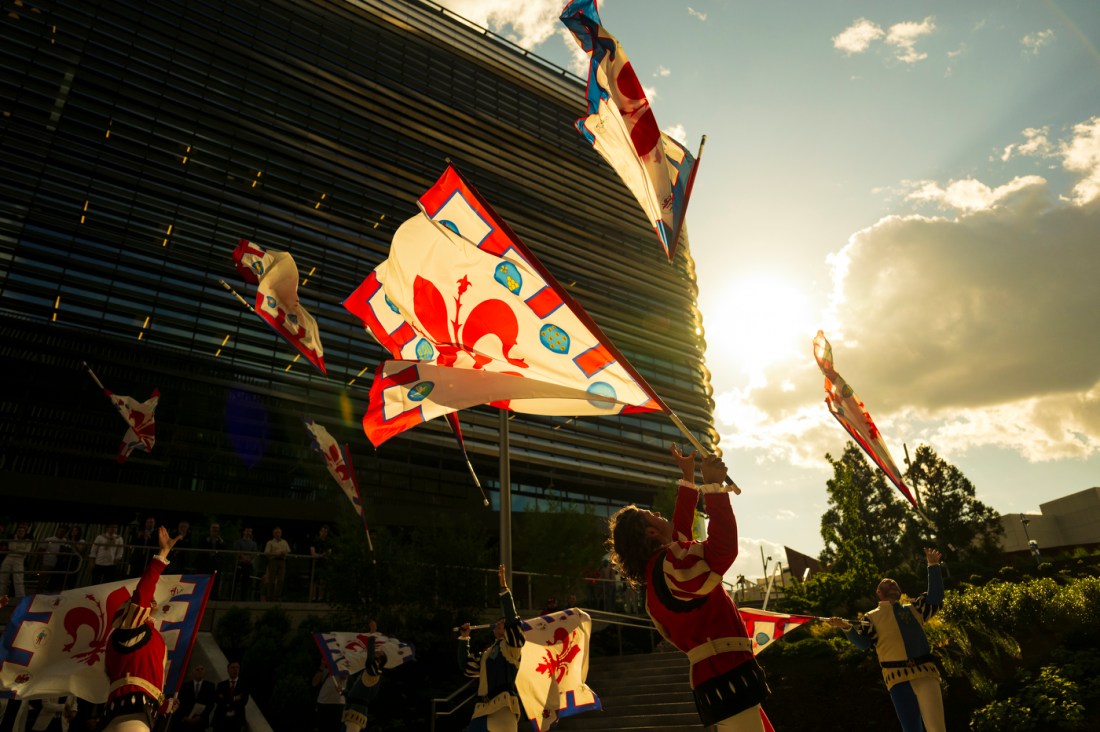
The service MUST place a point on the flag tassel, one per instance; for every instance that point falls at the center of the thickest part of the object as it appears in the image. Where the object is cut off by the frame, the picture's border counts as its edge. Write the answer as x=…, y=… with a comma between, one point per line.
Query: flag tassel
x=698, y=445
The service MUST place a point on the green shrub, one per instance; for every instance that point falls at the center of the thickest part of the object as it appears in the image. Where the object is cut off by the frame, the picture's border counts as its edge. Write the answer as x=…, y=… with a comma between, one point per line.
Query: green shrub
x=1047, y=703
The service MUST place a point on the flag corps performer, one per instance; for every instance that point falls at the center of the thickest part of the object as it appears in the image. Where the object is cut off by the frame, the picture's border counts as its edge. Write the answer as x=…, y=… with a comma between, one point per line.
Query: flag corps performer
x=897, y=633
x=136, y=655
x=686, y=599
x=362, y=689
x=498, y=708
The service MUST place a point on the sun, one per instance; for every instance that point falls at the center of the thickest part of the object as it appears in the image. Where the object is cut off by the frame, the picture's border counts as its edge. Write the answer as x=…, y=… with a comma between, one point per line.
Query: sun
x=756, y=322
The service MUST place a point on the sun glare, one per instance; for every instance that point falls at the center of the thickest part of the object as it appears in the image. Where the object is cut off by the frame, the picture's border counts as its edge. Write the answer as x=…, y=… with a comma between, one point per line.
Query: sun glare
x=755, y=323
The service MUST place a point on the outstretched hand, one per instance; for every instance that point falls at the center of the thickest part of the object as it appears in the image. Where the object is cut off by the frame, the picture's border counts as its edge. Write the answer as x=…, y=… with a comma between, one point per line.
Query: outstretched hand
x=685, y=462
x=839, y=623
x=166, y=543
x=933, y=556
x=714, y=470
x=502, y=575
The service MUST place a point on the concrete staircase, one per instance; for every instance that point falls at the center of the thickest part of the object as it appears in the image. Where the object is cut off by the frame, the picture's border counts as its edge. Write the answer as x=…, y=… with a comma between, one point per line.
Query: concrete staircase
x=642, y=692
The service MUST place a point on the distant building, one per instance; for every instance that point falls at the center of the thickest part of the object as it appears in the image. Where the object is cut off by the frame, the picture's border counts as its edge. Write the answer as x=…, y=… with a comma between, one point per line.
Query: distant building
x=1064, y=523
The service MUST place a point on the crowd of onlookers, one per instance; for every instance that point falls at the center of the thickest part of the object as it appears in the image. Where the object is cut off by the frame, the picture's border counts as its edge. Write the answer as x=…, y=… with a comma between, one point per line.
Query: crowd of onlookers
x=56, y=556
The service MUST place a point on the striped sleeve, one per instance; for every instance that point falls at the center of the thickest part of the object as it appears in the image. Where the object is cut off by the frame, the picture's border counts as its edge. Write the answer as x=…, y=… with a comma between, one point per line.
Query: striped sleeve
x=929, y=603
x=862, y=634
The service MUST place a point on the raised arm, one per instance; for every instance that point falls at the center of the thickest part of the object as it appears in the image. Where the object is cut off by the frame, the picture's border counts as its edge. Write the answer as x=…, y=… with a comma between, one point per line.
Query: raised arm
x=931, y=601
x=722, y=531
x=687, y=498
x=513, y=630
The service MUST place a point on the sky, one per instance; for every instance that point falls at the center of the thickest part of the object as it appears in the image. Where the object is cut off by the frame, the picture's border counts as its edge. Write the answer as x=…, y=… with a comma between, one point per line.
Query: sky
x=921, y=181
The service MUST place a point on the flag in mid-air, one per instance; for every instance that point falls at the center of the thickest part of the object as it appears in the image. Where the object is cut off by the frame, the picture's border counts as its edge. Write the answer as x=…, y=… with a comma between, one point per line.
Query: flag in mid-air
x=765, y=627
x=346, y=653
x=276, y=277
x=657, y=169
x=477, y=319
x=55, y=645
x=553, y=669
x=338, y=462
x=850, y=411
x=140, y=417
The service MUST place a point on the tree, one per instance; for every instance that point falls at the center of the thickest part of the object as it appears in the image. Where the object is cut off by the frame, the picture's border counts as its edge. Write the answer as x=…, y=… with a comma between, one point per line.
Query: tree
x=964, y=526
x=865, y=521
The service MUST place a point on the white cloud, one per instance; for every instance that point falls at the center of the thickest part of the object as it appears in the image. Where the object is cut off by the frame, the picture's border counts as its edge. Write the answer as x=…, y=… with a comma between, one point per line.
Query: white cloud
x=1036, y=144
x=662, y=71
x=905, y=35
x=1032, y=42
x=857, y=37
x=650, y=92
x=969, y=194
x=676, y=132
x=696, y=14
x=785, y=514
x=1081, y=154
x=527, y=23
x=748, y=560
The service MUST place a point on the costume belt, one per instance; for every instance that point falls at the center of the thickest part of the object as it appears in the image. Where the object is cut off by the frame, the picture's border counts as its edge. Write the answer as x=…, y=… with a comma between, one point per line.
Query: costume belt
x=148, y=687
x=908, y=663
x=503, y=700
x=719, y=645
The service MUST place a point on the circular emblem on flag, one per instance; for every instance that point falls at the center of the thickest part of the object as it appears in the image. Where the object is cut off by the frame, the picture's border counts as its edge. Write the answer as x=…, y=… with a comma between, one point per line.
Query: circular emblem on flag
x=392, y=307
x=271, y=303
x=421, y=391
x=450, y=225
x=258, y=267
x=847, y=391
x=554, y=338
x=603, y=389
x=762, y=638
x=41, y=637
x=508, y=275
x=424, y=350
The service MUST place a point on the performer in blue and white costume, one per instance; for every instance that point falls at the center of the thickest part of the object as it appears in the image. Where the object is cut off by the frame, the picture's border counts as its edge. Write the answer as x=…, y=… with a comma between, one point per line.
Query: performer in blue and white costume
x=498, y=708
x=897, y=633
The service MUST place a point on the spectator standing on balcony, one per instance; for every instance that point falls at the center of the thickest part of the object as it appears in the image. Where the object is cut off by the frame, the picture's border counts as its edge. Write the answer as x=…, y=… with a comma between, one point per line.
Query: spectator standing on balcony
x=106, y=554
x=144, y=546
x=275, y=552
x=320, y=549
x=246, y=549
x=208, y=560
x=52, y=567
x=11, y=569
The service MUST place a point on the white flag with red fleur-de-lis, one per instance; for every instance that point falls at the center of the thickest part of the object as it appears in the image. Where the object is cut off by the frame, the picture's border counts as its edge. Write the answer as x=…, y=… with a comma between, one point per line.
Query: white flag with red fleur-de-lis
x=475, y=318
x=553, y=669
x=54, y=645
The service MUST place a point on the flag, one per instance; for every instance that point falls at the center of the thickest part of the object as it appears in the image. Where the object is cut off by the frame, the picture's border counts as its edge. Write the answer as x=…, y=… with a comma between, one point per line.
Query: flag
x=477, y=319
x=277, y=303
x=657, y=169
x=339, y=465
x=55, y=644
x=141, y=434
x=554, y=667
x=850, y=411
x=346, y=653
x=765, y=627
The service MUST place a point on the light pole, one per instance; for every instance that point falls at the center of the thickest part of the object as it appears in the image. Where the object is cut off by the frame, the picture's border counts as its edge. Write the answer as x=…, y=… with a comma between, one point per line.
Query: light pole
x=1031, y=543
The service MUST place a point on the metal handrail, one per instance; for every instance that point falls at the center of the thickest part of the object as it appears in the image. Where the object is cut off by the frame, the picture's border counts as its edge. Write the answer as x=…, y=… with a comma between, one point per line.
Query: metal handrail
x=456, y=707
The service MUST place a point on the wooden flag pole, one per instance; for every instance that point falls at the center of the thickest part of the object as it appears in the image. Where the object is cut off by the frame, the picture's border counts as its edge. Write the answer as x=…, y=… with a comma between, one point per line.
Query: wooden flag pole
x=234, y=293
x=505, y=498
x=702, y=144
x=698, y=446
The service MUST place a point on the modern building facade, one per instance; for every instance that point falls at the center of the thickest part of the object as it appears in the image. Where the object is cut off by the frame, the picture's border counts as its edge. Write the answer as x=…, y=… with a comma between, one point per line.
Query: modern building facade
x=139, y=141
x=1065, y=523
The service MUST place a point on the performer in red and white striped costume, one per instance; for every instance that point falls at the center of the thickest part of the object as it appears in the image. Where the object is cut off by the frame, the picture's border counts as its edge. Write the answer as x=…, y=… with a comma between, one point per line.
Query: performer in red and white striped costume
x=136, y=655
x=685, y=596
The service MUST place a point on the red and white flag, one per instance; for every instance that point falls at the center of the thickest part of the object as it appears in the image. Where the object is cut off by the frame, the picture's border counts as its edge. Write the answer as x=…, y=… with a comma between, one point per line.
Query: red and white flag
x=139, y=416
x=277, y=303
x=849, y=410
x=55, y=644
x=338, y=462
x=553, y=669
x=346, y=653
x=620, y=125
x=764, y=627
x=477, y=319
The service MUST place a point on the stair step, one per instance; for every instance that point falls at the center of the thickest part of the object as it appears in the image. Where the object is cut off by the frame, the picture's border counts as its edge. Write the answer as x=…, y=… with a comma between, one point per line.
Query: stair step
x=596, y=720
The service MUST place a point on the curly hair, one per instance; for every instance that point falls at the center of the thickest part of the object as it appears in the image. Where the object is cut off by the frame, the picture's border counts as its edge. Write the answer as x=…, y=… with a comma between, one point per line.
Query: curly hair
x=629, y=545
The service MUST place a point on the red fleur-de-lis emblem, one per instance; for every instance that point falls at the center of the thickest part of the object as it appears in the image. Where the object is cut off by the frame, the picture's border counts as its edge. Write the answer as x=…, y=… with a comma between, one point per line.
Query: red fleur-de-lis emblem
x=336, y=462
x=554, y=664
x=92, y=617
x=488, y=317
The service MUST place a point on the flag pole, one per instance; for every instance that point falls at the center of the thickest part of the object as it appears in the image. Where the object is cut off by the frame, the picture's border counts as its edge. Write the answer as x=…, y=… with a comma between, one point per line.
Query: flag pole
x=698, y=445
x=362, y=507
x=94, y=377
x=505, y=498
x=239, y=298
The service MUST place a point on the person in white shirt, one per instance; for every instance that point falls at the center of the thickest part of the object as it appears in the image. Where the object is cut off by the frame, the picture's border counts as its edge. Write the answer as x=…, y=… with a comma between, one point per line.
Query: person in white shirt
x=275, y=552
x=53, y=574
x=11, y=569
x=106, y=554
